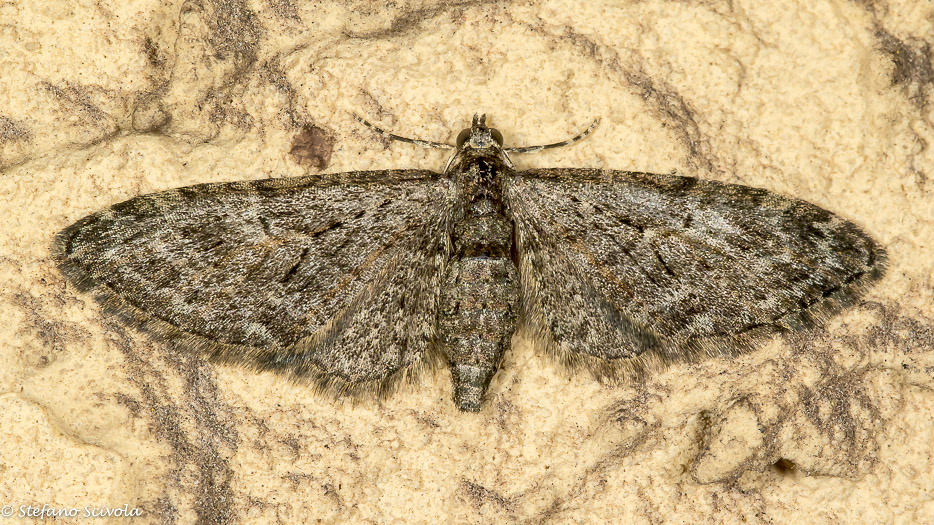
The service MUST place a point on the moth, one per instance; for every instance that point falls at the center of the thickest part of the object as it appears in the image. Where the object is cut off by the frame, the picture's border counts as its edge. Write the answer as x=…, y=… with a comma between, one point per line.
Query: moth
x=356, y=281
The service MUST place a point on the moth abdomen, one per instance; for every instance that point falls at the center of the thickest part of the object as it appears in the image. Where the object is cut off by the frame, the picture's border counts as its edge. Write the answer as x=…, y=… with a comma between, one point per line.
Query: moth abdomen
x=479, y=301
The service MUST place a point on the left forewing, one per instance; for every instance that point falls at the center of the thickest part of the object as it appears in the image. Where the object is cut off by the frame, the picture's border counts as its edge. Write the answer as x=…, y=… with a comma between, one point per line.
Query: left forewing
x=331, y=277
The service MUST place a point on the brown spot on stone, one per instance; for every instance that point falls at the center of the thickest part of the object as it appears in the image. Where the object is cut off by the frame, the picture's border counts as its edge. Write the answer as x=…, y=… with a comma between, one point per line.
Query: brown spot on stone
x=312, y=147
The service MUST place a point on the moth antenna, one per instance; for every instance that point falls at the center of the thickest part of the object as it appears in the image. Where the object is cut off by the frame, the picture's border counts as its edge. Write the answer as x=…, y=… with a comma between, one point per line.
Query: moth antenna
x=572, y=140
x=393, y=136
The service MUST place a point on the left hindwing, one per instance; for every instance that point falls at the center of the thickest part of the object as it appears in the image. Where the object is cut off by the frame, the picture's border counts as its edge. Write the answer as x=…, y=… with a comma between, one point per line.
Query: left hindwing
x=615, y=264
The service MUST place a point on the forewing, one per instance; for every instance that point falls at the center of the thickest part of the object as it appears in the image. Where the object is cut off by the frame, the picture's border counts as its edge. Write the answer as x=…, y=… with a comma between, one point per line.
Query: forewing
x=334, y=278
x=619, y=269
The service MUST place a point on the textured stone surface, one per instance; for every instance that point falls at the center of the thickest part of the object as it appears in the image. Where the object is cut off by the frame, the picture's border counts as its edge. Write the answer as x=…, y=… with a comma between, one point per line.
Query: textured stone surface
x=830, y=103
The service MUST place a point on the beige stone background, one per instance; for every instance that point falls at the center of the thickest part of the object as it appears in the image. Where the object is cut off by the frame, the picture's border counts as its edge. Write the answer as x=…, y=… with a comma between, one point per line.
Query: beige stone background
x=826, y=101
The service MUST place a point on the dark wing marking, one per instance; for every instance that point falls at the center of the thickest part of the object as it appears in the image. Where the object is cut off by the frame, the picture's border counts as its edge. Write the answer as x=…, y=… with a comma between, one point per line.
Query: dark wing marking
x=621, y=269
x=328, y=278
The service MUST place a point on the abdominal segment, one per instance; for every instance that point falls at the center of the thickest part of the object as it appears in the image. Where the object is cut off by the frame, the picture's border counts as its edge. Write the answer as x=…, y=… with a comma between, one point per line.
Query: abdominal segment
x=479, y=303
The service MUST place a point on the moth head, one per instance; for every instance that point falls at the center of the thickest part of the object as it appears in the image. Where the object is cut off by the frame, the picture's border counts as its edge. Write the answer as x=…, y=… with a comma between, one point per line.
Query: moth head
x=478, y=136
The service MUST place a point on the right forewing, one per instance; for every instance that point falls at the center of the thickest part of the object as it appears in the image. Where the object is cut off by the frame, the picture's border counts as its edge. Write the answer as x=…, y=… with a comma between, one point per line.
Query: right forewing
x=619, y=268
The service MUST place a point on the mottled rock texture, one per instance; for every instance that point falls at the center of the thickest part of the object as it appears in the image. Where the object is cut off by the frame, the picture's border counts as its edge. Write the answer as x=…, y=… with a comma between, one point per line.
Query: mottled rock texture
x=827, y=102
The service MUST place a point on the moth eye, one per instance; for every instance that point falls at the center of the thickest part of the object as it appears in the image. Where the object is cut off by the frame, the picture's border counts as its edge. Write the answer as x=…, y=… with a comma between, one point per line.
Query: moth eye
x=497, y=136
x=462, y=138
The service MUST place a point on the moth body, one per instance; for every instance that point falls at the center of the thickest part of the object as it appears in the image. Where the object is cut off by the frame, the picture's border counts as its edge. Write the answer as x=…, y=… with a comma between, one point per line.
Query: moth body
x=480, y=286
